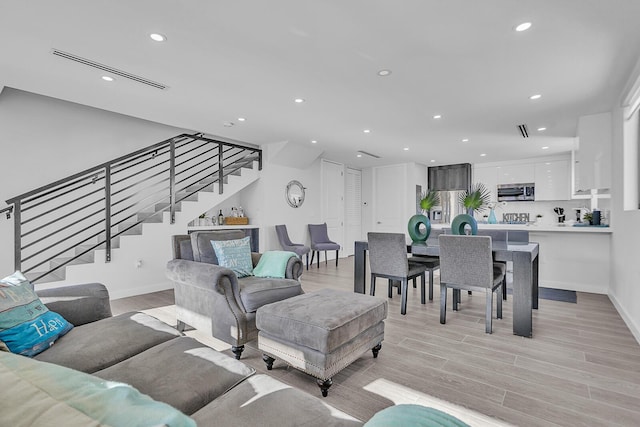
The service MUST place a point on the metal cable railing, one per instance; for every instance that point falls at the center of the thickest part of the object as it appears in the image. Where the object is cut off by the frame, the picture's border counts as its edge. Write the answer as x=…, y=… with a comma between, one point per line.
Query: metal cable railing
x=67, y=220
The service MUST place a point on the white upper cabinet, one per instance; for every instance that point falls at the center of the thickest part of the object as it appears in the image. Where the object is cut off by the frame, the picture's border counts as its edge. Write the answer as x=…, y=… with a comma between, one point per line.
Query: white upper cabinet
x=551, y=176
x=592, y=167
x=489, y=177
x=553, y=180
x=516, y=174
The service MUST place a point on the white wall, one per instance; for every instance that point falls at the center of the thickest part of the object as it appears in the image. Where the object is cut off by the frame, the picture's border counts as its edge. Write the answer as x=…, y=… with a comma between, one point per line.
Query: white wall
x=265, y=204
x=45, y=139
x=625, y=242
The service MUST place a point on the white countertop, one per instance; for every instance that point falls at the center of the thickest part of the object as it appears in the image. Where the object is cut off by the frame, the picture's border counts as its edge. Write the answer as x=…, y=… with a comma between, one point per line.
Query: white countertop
x=532, y=228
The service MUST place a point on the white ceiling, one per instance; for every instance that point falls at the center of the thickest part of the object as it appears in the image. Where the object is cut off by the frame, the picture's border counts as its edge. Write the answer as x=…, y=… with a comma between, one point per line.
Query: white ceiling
x=234, y=58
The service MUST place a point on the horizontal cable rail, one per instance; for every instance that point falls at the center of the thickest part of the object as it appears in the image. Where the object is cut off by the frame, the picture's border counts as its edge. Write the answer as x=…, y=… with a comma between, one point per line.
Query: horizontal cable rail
x=66, y=221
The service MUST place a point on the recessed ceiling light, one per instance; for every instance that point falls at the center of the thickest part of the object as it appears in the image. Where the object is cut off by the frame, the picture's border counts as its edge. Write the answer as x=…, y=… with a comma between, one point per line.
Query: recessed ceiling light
x=158, y=37
x=241, y=119
x=107, y=78
x=367, y=131
x=545, y=148
x=228, y=124
x=298, y=100
x=536, y=96
x=437, y=116
x=542, y=129
x=384, y=73
x=313, y=141
x=358, y=155
x=433, y=161
x=483, y=155
x=523, y=27
x=406, y=148
x=465, y=140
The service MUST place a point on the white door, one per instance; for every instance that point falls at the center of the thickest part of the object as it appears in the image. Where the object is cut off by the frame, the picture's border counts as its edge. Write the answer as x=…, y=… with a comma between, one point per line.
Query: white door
x=389, y=192
x=353, y=210
x=333, y=201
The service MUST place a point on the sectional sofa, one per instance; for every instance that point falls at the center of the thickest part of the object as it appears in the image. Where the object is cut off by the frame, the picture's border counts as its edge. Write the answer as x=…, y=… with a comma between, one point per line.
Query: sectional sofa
x=134, y=370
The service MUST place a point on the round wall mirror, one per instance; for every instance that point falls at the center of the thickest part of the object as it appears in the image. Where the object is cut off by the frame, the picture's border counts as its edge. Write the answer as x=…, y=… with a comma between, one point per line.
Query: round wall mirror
x=294, y=193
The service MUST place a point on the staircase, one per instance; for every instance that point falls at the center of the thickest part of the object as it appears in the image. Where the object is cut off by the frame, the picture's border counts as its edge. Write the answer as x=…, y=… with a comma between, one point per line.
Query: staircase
x=64, y=231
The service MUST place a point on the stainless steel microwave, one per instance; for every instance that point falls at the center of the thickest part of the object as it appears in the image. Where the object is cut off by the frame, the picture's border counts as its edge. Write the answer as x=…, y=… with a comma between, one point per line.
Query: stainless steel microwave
x=516, y=192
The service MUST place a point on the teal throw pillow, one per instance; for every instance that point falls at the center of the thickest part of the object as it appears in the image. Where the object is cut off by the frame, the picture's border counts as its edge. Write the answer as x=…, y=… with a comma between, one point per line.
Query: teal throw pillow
x=413, y=415
x=273, y=264
x=27, y=326
x=234, y=255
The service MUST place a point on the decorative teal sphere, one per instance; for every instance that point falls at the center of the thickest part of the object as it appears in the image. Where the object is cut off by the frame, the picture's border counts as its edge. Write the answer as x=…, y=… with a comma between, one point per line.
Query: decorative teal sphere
x=462, y=220
x=417, y=235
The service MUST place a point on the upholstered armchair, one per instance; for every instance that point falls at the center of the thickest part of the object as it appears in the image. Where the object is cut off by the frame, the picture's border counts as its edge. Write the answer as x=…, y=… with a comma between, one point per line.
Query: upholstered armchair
x=213, y=299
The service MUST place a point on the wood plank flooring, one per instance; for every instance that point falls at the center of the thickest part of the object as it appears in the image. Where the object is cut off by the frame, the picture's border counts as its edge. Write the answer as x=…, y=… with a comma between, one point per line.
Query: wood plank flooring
x=581, y=368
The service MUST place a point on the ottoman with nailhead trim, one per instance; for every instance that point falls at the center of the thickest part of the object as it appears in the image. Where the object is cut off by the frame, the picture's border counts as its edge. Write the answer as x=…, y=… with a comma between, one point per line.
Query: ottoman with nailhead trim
x=322, y=332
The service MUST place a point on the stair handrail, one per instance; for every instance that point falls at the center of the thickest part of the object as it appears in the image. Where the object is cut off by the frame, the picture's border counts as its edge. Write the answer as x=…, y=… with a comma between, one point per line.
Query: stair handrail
x=225, y=157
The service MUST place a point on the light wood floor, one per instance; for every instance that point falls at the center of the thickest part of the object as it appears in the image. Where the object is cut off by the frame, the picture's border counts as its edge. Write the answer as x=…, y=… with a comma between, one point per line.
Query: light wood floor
x=581, y=368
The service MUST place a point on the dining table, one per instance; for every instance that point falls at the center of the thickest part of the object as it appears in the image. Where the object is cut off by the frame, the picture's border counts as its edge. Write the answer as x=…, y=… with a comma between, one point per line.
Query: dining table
x=524, y=256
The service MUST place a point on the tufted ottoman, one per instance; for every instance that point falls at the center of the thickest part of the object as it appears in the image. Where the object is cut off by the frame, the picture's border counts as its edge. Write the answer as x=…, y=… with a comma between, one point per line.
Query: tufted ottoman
x=322, y=332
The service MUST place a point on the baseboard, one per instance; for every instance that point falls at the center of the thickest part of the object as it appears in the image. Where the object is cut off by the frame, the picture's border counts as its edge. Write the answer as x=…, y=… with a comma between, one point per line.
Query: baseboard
x=635, y=330
x=155, y=287
x=578, y=287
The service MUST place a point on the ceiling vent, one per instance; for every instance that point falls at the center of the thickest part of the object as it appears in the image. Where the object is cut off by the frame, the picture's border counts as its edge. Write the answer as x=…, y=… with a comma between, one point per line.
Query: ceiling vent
x=108, y=69
x=369, y=154
x=523, y=131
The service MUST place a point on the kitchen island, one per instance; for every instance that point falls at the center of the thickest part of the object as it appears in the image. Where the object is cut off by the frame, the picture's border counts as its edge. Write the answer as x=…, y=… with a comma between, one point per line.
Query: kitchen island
x=572, y=258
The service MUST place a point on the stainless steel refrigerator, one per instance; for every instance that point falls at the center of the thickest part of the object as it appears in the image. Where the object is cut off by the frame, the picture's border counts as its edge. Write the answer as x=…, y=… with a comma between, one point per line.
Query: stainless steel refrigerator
x=450, y=181
x=449, y=207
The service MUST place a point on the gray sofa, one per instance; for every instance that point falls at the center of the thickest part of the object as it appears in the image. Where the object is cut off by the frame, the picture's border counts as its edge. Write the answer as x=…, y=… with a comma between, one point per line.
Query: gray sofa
x=157, y=360
x=213, y=299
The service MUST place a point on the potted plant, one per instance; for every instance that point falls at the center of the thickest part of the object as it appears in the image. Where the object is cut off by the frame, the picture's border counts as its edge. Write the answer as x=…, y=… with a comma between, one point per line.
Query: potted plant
x=475, y=199
x=428, y=200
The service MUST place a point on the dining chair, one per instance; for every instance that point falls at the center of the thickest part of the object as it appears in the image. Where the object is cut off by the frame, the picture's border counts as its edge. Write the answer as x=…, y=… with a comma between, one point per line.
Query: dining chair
x=432, y=263
x=320, y=242
x=388, y=259
x=287, y=245
x=466, y=262
x=499, y=236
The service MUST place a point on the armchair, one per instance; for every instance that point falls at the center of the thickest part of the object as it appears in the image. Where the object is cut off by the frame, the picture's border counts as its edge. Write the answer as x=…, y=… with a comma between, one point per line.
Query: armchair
x=213, y=299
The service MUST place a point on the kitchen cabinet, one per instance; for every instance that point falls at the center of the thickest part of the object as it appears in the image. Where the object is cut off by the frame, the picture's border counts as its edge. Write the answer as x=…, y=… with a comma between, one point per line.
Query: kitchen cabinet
x=552, y=180
x=592, y=166
x=489, y=177
x=516, y=174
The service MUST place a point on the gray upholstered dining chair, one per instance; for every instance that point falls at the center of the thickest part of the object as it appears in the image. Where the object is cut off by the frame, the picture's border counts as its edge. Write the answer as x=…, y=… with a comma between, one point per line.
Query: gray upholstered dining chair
x=431, y=263
x=500, y=236
x=320, y=242
x=466, y=262
x=388, y=259
x=298, y=248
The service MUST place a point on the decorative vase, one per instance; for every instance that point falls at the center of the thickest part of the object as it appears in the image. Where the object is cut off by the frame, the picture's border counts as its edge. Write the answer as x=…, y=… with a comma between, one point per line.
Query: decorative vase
x=419, y=236
x=492, y=217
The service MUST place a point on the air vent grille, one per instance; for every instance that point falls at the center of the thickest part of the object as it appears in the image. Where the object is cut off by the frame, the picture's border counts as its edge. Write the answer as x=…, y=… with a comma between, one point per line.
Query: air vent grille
x=369, y=154
x=523, y=130
x=108, y=69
